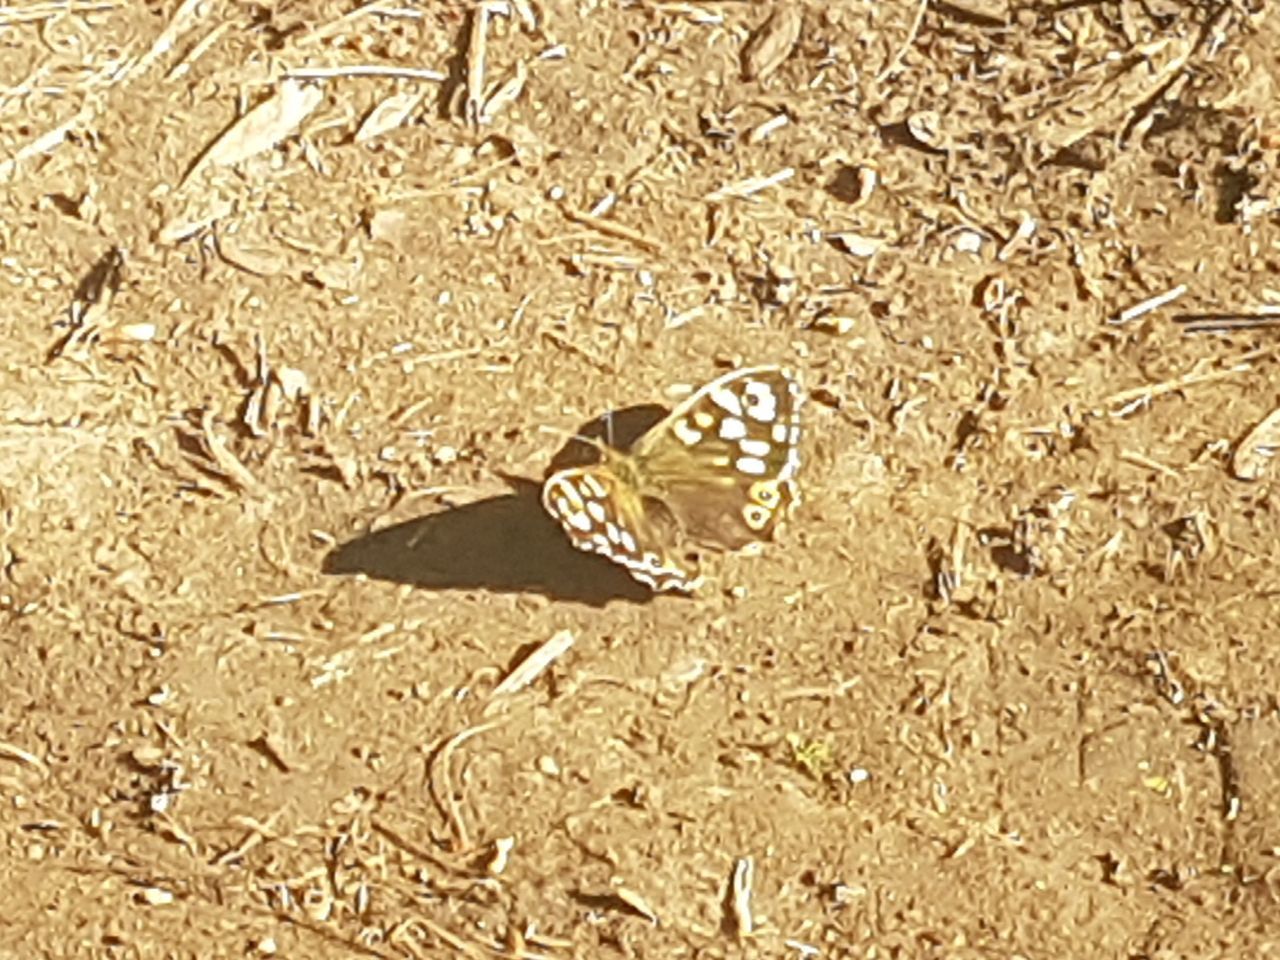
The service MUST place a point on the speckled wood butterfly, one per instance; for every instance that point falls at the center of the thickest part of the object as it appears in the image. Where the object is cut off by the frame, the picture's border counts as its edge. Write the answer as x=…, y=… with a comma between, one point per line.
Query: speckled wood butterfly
x=719, y=470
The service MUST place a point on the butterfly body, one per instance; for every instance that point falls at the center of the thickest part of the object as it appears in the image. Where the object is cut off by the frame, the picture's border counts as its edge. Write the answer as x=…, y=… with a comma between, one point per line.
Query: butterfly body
x=717, y=471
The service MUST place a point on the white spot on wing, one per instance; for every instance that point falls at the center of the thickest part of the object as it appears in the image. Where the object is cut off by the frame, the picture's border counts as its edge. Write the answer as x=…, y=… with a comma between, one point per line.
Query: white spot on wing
x=579, y=521
x=726, y=400
x=567, y=497
x=596, y=509
x=731, y=428
x=755, y=448
x=761, y=403
x=687, y=434
x=791, y=466
x=752, y=466
x=779, y=433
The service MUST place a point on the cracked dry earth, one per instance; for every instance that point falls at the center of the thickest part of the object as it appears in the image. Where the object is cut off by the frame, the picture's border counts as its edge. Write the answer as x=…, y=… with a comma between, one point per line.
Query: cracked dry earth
x=299, y=304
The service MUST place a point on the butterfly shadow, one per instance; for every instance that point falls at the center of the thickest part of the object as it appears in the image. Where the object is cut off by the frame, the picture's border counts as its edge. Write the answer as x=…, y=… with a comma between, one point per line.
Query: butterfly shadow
x=505, y=544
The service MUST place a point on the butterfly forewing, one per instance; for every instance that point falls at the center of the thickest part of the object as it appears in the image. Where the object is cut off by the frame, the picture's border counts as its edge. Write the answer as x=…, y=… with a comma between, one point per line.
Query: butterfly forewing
x=603, y=515
x=724, y=460
x=719, y=470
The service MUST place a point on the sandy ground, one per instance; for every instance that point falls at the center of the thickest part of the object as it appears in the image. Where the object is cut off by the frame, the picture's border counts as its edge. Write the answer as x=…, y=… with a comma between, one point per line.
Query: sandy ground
x=299, y=303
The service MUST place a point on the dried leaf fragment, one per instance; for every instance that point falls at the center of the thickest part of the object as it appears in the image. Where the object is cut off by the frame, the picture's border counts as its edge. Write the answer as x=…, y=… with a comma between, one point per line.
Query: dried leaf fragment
x=389, y=114
x=260, y=261
x=768, y=48
x=387, y=226
x=338, y=273
x=502, y=848
x=155, y=896
x=637, y=903
x=505, y=94
x=293, y=383
x=1257, y=450
x=855, y=244
x=141, y=332
x=263, y=127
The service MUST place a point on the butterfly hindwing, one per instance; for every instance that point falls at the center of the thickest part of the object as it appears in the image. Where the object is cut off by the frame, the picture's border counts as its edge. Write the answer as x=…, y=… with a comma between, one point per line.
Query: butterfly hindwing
x=601, y=515
x=730, y=517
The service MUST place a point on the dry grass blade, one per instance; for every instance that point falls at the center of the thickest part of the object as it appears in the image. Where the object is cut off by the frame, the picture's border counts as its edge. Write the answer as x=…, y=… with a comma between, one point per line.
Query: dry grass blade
x=182, y=18
x=743, y=189
x=1142, y=460
x=33, y=12
x=432, y=857
x=476, y=43
x=506, y=93
x=444, y=797
x=227, y=462
x=634, y=901
x=896, y=60
x=1124, y=401
x=399, y=936
x=367, y=70
x=611, y=229
x=45, y=143
x=264, y=126
x=1222, y=322
x=11, y=752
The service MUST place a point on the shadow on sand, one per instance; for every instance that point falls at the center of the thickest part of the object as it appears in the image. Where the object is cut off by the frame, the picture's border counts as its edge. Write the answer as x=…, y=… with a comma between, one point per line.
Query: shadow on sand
x=505, y=544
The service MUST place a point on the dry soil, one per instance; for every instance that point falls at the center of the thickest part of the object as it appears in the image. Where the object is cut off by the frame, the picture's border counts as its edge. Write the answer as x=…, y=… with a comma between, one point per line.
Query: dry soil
x=299, y=302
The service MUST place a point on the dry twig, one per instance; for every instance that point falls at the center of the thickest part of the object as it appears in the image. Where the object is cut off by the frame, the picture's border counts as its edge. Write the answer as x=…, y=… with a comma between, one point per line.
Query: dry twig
x=366, y=70
x=1151, y=303
x=740, y=900
x=533, y=665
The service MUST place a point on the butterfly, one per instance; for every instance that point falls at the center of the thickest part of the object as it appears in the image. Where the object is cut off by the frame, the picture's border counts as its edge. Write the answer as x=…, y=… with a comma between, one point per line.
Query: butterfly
x=718, y=470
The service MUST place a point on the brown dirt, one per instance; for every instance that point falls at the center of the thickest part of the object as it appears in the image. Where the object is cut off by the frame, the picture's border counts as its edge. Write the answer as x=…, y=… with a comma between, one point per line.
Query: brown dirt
x=1006, y=686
